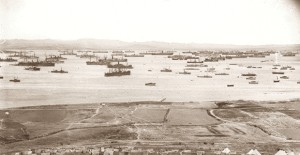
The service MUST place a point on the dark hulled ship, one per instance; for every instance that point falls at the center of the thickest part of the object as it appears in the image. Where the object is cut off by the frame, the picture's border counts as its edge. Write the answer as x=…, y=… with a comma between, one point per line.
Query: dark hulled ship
x=35, y=63
x=8, y=60
x=118, y=65
x=116, y=72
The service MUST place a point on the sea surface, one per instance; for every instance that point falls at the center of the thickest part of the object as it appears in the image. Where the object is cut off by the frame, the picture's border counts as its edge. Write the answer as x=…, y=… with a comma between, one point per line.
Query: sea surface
x=87, y=84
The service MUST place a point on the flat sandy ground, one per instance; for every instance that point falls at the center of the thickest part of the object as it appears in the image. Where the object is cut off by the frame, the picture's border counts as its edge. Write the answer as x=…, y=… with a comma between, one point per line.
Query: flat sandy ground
x=206, y=125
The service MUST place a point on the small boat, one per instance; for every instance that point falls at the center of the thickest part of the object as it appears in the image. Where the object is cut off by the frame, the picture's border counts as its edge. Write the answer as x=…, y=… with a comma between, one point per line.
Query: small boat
x=253, y=82
x=59, y=71
x=150, y=84
x=15, y=80
x=298, y=82
x=230, y=85
x=33, y=68
x=1, y=77
x=284, y=77
x=204, y=76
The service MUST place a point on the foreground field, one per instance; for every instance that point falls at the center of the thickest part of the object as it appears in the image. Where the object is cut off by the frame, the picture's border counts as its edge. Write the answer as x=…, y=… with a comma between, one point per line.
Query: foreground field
x=232, y=123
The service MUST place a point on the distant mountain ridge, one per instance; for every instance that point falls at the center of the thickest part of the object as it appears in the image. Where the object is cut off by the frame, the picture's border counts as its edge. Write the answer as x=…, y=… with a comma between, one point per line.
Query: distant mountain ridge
x=100, y=44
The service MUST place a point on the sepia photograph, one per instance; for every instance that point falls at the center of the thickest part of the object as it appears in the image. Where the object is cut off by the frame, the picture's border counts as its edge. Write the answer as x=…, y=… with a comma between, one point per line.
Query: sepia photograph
x=149, y=77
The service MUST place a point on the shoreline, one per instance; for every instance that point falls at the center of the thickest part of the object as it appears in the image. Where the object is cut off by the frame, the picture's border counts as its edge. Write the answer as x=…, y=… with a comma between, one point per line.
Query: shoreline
x=146, y=102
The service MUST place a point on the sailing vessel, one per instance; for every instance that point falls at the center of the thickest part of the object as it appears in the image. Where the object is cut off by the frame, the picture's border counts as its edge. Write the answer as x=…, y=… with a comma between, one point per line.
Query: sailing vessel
x=277, y=80
x=276, y=60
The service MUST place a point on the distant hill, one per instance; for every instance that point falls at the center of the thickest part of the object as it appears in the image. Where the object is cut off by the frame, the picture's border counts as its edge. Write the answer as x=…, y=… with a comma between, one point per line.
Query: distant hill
x=97, y=44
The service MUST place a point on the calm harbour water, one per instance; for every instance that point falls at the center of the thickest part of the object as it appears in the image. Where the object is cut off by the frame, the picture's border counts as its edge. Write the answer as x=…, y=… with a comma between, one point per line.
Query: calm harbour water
x=87, y=84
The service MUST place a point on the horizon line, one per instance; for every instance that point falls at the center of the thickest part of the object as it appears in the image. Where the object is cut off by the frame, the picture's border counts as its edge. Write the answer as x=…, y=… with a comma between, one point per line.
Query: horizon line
x=170, y=42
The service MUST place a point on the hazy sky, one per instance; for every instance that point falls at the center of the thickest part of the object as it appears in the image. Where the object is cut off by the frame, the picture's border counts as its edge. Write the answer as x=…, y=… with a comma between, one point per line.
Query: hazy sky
x=198, y=21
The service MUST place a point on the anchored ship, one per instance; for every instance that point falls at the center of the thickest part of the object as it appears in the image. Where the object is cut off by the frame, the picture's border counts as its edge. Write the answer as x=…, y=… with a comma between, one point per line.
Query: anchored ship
x=185, y=72
x=15, y=80
x=221, y=74
x=166, y=70
x=150, y=84
x=33, y=68
x=8, y=60
x=134, y=55
x=249, y=74
x=253, y=82
x=204, y=76
x=116, y=72
x=59, y=71
x=277, y=72
x=284, y=77
x=119, y=66
x=35, y=63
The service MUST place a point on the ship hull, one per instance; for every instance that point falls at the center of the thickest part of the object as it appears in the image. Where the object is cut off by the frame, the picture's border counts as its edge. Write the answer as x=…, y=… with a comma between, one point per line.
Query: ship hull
x=117, y=74
x=35, y=64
